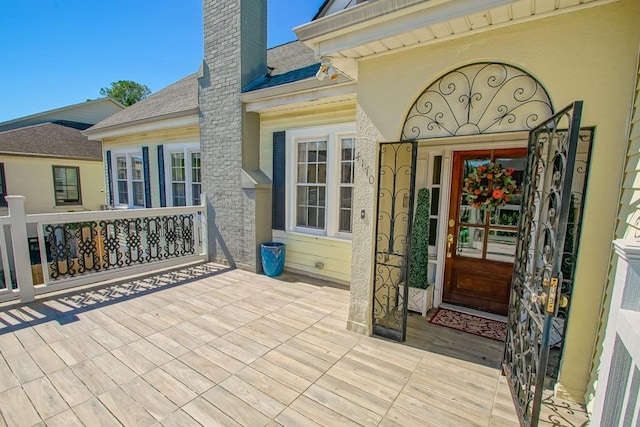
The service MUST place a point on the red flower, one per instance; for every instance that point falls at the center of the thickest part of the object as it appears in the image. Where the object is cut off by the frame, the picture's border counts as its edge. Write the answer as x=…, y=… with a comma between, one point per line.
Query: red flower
x=497, y=194
x=477, y=191
x=489, y=176
x=509, y=171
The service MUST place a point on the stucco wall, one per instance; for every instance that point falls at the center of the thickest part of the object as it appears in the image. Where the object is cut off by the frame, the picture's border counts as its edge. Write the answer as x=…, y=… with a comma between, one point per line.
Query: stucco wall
x=588, y=55
x=32, y=177
x=304, y=251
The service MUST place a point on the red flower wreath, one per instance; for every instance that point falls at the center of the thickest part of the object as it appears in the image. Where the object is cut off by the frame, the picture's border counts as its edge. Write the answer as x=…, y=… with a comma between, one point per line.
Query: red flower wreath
x=489, y=186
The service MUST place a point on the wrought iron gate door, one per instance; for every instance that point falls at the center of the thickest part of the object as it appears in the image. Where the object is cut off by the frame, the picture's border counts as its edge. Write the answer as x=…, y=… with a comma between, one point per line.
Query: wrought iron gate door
x=396, y=182
x=537, y=289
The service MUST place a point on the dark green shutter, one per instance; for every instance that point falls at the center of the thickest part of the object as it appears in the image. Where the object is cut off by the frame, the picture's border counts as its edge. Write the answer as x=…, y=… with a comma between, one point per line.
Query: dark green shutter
x=163, y=191
x=109, y=177
x=278, y=185
x=147, y=177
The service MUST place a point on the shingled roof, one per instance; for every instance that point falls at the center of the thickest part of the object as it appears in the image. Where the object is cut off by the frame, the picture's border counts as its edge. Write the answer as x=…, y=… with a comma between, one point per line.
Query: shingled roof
x=177, y=99
x=290, y=63
x=50, y=140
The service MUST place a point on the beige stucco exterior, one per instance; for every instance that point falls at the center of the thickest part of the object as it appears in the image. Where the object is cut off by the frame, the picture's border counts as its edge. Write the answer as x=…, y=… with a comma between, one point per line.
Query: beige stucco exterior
x=587, y=55
x=305, y=251
x=32, y=177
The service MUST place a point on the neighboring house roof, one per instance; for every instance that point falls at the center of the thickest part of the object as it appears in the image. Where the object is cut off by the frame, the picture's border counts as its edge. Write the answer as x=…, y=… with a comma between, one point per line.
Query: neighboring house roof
x=333, y=6
x=288, y=63
x=175, y=100
x=80, y=115
x=49, y=140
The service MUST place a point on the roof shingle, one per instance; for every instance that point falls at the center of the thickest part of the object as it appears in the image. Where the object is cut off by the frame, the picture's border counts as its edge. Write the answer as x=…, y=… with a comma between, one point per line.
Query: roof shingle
x=50, y=139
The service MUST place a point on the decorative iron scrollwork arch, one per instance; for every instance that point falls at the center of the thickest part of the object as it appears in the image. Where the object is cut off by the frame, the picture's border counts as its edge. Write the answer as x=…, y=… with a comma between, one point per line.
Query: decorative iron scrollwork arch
x=477, y=99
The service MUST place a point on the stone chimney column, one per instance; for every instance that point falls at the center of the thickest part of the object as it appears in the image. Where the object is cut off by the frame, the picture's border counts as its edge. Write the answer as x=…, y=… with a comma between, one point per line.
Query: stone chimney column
x=235, y=34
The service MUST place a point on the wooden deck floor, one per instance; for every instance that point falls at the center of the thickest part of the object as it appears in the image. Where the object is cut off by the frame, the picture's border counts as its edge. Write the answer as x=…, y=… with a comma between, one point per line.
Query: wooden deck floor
x=209, y=346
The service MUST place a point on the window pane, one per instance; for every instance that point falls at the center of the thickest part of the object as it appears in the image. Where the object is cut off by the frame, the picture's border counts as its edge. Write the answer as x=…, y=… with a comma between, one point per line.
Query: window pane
x=321, y=217
x=321, y=196
x=302, y=196
x=345, y=209
x=347, y=148
x=345, y=220
x=302, y=173
x=312, y=173
x=121, y=165
x=437, y=169
x=302, y=152
x=435, y=200
x=346, y=176
x=137, y=170
x=66, y=184
x=179, y=196
x=138, y=194
x=177, y=167
x=196, y=169
x=123, y=193
x=433, y=231
x=322, y=151
x=470, y=242
x=301, y=216
x=345, y=197
x=322, y=173
x=501, y=245
x=196, y=189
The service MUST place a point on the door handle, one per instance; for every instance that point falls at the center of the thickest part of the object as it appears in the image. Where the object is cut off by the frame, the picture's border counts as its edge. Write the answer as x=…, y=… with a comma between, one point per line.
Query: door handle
x=449, y=242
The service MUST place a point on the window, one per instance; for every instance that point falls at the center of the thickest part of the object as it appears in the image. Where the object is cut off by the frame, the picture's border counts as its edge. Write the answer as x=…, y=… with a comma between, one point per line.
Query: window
x=183, y=179
x=66, y=183
x=3, y=186
x=129, y=175
x=320, y=180
x=347, y=163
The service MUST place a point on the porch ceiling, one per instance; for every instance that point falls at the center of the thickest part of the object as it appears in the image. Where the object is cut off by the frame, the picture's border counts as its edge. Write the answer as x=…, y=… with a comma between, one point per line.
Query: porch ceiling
x=377, y=28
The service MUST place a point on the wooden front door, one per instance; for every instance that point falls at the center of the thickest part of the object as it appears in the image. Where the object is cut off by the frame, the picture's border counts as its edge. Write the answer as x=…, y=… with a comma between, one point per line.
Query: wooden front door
x=482, y=232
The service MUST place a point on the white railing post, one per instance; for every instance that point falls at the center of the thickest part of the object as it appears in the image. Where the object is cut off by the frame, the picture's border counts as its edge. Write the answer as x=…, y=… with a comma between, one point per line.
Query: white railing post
x=20, y=244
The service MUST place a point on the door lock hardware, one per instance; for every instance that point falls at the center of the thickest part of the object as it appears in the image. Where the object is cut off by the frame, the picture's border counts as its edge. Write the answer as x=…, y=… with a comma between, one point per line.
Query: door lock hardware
x=553, y=293
x=563, y=302
x=539, y=298
x=451, y=223
x=449, y=243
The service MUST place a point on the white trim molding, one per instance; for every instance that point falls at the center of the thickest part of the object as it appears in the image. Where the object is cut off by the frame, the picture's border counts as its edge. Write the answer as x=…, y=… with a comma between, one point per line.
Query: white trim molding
x=332, y=135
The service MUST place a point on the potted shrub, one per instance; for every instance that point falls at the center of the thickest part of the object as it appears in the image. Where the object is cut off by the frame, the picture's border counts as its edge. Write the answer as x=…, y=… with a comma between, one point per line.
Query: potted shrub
x=420, y=290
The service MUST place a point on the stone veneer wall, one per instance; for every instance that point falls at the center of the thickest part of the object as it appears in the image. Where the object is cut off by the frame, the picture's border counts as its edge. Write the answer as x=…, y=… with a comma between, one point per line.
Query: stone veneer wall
x=362, y=258
x=234, y=55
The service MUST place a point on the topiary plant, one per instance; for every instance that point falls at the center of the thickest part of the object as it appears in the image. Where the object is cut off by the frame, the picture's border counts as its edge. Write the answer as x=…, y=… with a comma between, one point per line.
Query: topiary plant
x=419, y=260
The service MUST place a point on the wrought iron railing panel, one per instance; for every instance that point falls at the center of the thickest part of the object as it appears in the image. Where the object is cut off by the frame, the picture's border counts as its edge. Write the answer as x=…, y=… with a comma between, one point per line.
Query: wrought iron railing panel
x=396, y=181
x=73, y=249
x=477, y=99
x=540, y=254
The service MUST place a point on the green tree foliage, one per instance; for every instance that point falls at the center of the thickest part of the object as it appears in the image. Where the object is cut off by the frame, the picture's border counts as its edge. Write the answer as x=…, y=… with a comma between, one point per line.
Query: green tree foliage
x=126, y=92
x=418, y=274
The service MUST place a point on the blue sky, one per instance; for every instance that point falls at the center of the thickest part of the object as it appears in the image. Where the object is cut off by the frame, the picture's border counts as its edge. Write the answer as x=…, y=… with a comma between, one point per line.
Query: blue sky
x=55, y=53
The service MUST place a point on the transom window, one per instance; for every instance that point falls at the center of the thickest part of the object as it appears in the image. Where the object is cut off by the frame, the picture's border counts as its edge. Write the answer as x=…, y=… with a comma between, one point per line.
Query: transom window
x=320, y=176
x=129, y=179
x=66, y=183
x=184, y=175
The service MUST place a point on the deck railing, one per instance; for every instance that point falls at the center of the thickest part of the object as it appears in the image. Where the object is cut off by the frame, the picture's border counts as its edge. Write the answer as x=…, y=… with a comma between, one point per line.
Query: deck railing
x=49, y=252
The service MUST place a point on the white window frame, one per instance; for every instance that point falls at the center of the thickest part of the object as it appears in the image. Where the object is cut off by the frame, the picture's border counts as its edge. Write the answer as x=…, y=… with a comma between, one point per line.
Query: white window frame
x=187, y=149
x=333, y=134
x=128, y=154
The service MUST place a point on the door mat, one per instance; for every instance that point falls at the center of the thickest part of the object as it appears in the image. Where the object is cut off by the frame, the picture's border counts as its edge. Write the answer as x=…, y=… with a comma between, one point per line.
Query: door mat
x=471, y=324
